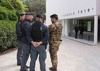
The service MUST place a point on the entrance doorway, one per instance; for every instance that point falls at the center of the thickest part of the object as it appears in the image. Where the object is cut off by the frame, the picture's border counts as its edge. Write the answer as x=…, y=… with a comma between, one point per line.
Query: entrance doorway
x=99, y=30
x=85, y=29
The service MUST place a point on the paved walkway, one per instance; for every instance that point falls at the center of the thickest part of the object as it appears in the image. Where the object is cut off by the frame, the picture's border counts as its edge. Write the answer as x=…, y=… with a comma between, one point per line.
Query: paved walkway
x=73, y=56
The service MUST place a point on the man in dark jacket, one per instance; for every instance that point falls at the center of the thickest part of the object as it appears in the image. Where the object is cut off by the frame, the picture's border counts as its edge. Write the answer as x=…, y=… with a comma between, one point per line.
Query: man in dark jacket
x=76, y=30
x=38, y=47
x=26, y=46
x=81, y=28
x=18, y=33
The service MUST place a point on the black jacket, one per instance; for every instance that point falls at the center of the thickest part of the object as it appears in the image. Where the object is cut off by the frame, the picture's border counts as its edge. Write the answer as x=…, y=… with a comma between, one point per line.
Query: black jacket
x=18, y=30
x=46, y=34
x=25, y=26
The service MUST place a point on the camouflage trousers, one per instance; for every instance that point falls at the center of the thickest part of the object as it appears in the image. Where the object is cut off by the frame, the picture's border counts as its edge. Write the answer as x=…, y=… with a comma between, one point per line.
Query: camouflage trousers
x=54, y=47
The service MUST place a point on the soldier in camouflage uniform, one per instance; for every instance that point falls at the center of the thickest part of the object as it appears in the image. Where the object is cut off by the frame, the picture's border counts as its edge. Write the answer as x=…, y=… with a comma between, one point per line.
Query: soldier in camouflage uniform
x=55, y=32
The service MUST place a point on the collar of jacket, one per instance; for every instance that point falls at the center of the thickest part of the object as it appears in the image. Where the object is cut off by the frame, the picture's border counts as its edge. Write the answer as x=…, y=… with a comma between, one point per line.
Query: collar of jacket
x=28, y=20
x=56, y=23
x=40, y=22
x=21, y=20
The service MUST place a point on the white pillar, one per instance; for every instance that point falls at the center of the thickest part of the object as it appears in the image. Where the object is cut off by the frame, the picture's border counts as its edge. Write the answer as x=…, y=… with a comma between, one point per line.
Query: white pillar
x=95, y=30
x=66, y=28
x=63, y=31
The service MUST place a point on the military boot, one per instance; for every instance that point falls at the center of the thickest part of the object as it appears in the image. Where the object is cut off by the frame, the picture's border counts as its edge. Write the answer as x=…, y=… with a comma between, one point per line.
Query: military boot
x=53, y=69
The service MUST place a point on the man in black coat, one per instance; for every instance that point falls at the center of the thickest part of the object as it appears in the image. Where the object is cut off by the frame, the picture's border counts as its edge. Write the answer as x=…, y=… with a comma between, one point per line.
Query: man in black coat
x=38, y=37
x=76, y=30
x=26, y=46
x=19, y=37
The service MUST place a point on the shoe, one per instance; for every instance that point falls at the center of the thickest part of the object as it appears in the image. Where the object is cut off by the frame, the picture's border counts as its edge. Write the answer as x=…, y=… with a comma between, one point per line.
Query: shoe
x=55, y=69
x=18, y=64
x=27, y=67
x=24, y=70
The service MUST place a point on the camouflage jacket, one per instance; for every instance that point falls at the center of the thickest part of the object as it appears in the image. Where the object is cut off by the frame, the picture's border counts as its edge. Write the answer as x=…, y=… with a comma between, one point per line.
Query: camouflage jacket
x=55, y=32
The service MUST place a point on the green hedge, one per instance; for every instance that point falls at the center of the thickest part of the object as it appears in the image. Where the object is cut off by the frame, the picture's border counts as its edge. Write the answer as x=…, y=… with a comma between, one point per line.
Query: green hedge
x=3, y=13
x=10, y=9
x=7, y=35
x=7, y=4
x=12, y=15
x=6, y=14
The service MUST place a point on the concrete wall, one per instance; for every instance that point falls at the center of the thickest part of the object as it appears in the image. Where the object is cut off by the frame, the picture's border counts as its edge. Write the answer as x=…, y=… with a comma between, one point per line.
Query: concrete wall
x=67, y=9
x=98, y=7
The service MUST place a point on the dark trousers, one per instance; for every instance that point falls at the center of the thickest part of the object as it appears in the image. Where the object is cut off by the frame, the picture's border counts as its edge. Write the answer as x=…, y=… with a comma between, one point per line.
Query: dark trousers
x=76, y=34
x=25, y=55
x=35, y=51
x=81, y=34
x=19, y=52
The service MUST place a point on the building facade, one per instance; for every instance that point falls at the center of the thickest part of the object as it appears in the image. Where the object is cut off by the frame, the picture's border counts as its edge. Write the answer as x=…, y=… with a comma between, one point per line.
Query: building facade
x=80, y=18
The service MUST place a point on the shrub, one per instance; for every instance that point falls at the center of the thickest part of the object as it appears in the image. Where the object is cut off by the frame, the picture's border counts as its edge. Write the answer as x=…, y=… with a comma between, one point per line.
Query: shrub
x=7, y=35
x=18, y=5
x=3, y=13
x=12, y=15
x=6, y=14
x=10, y=9
x=7, y=4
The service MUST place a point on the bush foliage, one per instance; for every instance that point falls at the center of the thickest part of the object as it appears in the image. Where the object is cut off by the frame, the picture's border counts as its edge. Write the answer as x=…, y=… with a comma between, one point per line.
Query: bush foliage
x=9, y=11
x=6, y=14
x=7, y=35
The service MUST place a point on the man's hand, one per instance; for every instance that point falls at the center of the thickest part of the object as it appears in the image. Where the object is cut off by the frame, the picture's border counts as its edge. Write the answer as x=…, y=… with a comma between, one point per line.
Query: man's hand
x=39, y=43
x=34, y=44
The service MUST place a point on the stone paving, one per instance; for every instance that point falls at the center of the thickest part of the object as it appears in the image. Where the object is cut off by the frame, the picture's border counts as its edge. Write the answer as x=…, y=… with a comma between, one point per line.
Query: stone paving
x=73, y=56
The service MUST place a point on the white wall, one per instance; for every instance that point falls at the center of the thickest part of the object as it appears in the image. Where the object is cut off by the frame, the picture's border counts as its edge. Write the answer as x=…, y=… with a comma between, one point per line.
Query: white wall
x=69, y=8
x=66, y=27
x=98, y=7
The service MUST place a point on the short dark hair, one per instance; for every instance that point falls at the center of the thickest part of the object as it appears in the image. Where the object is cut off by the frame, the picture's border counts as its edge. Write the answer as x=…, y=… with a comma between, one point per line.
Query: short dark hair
x=54, y=16
x=21, y=14
x=29, y=13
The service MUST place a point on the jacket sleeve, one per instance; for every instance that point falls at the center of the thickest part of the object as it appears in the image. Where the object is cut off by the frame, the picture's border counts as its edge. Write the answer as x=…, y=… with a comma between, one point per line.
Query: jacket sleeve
x=51, y=28
x=46, y=35
x=28, y=32
x=29, y=38
x=18, y=28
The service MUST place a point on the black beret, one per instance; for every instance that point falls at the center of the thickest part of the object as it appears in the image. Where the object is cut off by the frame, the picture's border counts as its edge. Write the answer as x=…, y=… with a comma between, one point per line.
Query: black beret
x=39, y=16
